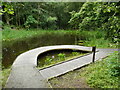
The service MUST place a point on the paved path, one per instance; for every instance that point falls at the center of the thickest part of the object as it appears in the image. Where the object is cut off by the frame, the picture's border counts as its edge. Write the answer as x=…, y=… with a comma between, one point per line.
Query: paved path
x=74, y=64
x=25, y=75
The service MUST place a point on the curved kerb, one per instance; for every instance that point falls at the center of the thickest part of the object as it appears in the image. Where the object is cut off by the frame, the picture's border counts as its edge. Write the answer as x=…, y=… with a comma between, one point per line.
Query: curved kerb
x=29, y=58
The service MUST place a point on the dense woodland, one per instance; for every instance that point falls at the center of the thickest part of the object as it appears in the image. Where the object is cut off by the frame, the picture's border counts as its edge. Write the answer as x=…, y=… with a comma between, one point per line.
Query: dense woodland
x=102, y=16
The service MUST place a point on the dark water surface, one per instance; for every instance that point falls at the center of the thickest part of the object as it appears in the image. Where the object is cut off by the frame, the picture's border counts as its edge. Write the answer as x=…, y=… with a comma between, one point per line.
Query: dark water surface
x=12, y=49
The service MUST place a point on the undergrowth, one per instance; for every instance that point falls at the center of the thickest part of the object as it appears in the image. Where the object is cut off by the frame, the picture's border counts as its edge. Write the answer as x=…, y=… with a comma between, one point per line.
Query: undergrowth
x=5, y=75
x=59, y=58
x=103, y=74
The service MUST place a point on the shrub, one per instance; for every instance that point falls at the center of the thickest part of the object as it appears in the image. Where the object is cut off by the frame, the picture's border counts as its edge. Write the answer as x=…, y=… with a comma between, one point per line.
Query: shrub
x=105, y=73
x=61, y=56
x=114, y=65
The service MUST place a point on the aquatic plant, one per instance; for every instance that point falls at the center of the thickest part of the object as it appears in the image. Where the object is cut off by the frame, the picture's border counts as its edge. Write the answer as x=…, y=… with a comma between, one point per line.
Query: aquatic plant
x=61, y=56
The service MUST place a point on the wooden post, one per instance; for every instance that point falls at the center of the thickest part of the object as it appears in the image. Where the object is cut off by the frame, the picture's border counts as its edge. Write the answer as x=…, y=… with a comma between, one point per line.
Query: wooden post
x=93, y=50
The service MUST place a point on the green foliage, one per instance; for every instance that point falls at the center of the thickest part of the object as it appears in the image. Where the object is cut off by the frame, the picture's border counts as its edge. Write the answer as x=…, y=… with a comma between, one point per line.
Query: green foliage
x=113, y=28
x=89, y=38
x=58, y=58
x=103, y=74
x=95, y=38
x=51, y=60
x=44, y=15
x=51, y=22
x=11, y=35
x=75, y=53
x=102, y=16
x=114, y=64
x=61, y=56
x=5, y=74
x=30, y=21
x=98, y=16
x=8, y=8
x=76, y=21
x=48, y=60
x=102, y=43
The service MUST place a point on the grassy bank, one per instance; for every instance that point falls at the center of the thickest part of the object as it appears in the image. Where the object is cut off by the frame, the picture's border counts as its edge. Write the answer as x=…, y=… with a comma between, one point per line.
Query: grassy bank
x=89, y=38
x=101, y=74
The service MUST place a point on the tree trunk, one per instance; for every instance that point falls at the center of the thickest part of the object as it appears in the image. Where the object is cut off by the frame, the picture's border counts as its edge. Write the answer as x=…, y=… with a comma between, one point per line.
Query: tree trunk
x=38, y=15
x=16, y=14
x=19, y=20
x=7, y=19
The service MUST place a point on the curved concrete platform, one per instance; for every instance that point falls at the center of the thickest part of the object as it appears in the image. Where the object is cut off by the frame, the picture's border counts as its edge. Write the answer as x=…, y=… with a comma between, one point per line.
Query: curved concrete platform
x=29, y=58
x=25, y=75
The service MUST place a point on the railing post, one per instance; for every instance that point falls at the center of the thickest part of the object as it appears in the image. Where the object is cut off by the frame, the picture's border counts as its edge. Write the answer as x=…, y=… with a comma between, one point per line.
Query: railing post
x=93, y=50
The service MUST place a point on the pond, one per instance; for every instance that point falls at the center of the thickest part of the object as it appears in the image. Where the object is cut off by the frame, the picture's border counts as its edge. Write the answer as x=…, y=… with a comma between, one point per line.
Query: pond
x=10, y=50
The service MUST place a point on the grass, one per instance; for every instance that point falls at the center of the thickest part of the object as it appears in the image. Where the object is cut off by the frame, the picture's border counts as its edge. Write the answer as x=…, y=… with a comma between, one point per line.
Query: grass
x=101, y=74
x=5, y=75
x=0, y=35
x=11, y=34
x=90, y=38
x=0, y=75
x=100, y=43
x=0, y=58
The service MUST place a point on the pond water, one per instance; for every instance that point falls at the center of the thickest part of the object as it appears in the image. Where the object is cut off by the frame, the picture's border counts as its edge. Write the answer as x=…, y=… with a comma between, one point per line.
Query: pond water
x=12, y=49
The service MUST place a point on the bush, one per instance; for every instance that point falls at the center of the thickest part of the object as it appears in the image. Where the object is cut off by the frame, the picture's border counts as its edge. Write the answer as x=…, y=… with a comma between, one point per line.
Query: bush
x=75, y=53
x=61, y=56
x=114, y=65
x=105, y=73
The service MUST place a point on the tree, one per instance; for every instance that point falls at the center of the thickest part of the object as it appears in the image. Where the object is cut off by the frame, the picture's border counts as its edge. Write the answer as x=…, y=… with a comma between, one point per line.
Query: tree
x=7, y=11
x=98, y=16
